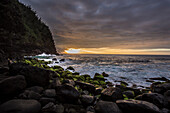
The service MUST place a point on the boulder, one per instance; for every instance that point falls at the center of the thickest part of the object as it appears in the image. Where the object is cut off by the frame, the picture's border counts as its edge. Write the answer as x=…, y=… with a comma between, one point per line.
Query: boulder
x=55, y=83
x=154, y=98
x=36, y=89
x=86, y=86
x=98, y=91
x=20, y=106
x=105, y=74
x=87, y=100
x=34, y=76
x=160, y=88
x=129, y=94
x=12, y=86
x=45, y=100
x=106, y=107
x=51, y=107
x=49, y=93
x=164, y=110
x=3, y=70
x=98, y=76
x=137, y=106
x=67, y=81
x=30, y=95
x=111, y=94
x=167, y=99
x=67, y=93
x=70, y=108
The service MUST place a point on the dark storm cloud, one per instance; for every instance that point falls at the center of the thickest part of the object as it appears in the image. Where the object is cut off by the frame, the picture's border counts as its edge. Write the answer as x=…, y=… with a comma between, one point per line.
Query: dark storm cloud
x=131, y=24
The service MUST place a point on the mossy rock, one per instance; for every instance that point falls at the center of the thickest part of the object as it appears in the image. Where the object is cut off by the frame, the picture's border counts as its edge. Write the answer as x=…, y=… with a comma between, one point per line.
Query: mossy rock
x=70, y=68
x=98, y=77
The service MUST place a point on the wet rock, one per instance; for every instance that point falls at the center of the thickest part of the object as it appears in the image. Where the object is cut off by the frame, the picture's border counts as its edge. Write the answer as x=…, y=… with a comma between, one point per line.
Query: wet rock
x=106, y=107
x=70, y=108
x=90, y=109
x=164, y=110
x=159, y=78
x=111, y=94
x=3, y=70
x=129, y=94
x=87, y=100
x=133, y=106
x=160, y=88
x=30, y=95
x=154, y=98
x=67, y=93
x=167, y=99
x=45, y=100
x=55, y=83
x=67, y=81
x=51, y=107
x=36, y=89
x=98, y=91
x=50, y=93
x=105, y=74
x=12, y=86
x=62, y=60
x=34, y=76
x=20, y=106
x=98, y=76
x=86, y=86
x=70, y=68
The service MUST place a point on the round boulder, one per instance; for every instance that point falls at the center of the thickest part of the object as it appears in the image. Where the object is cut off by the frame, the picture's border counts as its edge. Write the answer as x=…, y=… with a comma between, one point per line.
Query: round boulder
x=20, y=106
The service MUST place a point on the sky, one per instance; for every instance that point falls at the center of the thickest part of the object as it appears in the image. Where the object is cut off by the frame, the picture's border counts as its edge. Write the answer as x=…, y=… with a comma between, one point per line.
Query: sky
x=107, y=26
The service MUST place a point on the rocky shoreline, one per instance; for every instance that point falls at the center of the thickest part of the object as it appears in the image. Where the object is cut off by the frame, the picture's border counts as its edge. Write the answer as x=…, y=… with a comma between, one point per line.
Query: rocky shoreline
x=31, y=86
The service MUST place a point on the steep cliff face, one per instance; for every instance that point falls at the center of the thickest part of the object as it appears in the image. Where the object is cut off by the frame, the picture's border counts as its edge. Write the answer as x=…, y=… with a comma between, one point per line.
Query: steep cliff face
x=22, y=32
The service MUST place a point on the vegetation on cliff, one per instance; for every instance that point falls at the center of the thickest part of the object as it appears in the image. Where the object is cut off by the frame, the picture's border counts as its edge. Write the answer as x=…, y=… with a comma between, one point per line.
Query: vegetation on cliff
x=22, y=32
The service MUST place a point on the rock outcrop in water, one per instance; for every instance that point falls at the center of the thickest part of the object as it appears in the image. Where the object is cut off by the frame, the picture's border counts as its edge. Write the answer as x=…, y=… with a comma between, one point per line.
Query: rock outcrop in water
x=22, y=32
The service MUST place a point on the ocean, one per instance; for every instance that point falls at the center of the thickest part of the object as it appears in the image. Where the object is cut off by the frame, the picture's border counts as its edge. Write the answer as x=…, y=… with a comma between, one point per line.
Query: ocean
x=133, y=69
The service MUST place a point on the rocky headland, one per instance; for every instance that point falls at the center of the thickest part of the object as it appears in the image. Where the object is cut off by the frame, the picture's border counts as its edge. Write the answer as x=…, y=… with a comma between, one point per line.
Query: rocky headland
x=31, y=86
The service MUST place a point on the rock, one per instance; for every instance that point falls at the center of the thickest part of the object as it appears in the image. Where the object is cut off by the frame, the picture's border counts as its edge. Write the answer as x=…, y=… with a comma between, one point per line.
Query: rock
x=87, y=100
x=111, y=94
x=20, y=106
x=90, y=109
x=62, y=60
x=129, y=94
x=159, y=78
x=137, y=106
x=45, y=100
x=98, y=76
x=70, y=68
x=30, y=95
x=86, y=86
x=167, y=98
x=3, y=70
x=106, y=107
x=98, y=91
x=160, y=88
x=50, y=93
x=67, y=93
x=105, y=74
x=67, y=81
x=34, y=76
x=154, y=98
x=164, y=110
x=70, y=108
x=50, y=107
x=55, y=83
x=12, y=86
x=36, y=89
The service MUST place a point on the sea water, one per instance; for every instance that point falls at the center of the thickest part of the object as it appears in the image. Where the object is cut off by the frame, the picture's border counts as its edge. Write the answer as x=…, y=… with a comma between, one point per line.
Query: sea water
x=133, y=69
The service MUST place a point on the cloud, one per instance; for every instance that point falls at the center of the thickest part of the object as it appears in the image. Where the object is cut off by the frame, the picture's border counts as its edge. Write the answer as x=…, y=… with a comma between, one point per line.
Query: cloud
x=116, y=24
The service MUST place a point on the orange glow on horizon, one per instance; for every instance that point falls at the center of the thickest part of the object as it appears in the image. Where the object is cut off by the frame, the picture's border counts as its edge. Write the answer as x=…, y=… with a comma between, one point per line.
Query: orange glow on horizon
x=117, y=51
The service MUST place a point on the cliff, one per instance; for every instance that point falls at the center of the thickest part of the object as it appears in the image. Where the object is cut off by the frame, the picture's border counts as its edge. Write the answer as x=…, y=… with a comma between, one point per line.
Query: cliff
x=22, y=32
